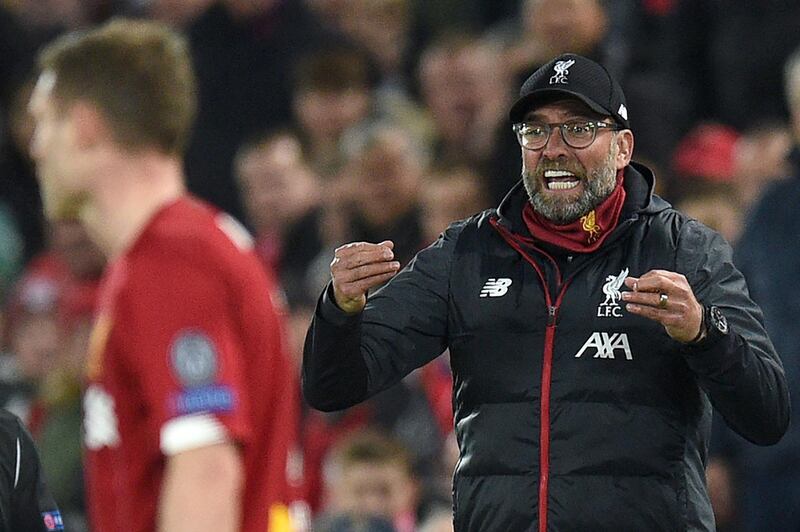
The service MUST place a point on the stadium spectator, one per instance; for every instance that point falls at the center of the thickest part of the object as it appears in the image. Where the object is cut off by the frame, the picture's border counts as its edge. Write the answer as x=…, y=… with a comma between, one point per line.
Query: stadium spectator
x=369, y=478
x=282, y=200
x=466, y=89
x=190, y=405
x=244, y=52
x=385, y=171
x=766, y=482
x=332, y=94
x=450, y=193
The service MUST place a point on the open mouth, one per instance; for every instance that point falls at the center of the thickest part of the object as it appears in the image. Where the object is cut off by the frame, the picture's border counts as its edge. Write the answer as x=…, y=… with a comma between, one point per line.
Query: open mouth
x=560, y=180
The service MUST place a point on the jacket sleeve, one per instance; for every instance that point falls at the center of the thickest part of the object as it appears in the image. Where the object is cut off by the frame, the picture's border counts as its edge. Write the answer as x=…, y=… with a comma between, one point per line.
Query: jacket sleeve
x=347, y=359
x=740, y=372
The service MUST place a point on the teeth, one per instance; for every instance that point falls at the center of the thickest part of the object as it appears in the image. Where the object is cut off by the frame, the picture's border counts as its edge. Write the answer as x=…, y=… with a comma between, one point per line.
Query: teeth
x=562, y=185
x=557, y=173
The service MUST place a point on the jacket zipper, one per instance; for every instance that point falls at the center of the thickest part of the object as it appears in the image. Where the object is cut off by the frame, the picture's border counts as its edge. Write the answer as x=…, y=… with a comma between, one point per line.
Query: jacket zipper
x=547, y=369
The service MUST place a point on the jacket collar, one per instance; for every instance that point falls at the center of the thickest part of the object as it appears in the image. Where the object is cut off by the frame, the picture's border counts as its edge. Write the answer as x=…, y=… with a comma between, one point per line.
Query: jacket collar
x=639, y=184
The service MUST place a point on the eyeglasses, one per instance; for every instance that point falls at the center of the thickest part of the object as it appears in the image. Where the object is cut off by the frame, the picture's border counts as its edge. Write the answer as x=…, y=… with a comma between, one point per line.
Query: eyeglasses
x=576, y=133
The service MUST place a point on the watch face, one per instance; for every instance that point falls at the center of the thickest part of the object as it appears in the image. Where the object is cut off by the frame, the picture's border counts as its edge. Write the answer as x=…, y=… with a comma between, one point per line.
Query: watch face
x=718, y=320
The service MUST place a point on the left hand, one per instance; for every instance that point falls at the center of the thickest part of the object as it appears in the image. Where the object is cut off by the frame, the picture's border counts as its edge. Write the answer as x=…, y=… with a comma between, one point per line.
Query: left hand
x=665, y=297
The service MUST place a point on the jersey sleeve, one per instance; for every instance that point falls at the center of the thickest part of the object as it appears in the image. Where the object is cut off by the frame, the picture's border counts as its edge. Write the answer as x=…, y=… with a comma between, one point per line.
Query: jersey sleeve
x=32, y=506
x=183, y=349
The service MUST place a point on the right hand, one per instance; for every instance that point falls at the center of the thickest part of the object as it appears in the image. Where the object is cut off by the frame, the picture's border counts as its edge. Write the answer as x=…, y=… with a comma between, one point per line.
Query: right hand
x=356, y=268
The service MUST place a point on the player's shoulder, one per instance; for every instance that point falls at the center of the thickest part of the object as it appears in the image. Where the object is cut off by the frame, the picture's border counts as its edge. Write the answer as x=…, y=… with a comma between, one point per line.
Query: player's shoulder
x=190, y=230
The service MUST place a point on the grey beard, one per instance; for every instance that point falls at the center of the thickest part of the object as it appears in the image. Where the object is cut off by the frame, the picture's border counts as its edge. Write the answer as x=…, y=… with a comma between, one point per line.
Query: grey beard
x=597, y=188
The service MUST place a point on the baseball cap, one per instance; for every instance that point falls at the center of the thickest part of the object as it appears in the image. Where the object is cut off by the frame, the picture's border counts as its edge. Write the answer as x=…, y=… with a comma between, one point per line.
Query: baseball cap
x=577, y=76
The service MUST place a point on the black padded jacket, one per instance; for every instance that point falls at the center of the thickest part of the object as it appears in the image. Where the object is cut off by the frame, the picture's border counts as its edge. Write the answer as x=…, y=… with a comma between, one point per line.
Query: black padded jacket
x=571, y=414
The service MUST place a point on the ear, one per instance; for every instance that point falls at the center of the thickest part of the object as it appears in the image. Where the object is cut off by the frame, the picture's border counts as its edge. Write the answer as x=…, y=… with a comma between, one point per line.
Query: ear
x=90, y=125
x=624, y=141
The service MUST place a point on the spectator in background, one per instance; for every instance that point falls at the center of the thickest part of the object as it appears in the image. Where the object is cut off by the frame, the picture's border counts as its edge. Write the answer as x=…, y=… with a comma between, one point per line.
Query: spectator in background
x=282, y=200
x=450, y=193
x=244, y=52
x=466, y=89
x=33, y=338
x=387, y=166
x=552, y=27
x=369, y=479
x=188, y=382
x=762, y=156
x=705, y=156
x=767, y=481
x=332, y=94
x=383, y=27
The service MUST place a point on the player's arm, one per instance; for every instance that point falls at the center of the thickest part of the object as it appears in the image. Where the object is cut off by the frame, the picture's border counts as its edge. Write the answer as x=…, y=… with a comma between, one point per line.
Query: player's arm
x=202, y=490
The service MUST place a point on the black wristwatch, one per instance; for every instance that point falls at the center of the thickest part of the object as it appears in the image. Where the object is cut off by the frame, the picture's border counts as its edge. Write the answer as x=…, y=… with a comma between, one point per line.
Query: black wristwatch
x=714, y=326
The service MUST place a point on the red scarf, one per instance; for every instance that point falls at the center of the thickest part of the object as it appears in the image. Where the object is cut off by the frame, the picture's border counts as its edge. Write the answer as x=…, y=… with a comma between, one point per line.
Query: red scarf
x=585, y=234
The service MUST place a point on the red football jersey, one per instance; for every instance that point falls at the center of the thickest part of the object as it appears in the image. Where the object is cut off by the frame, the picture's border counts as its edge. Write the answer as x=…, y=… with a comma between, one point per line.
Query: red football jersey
x=187, y=351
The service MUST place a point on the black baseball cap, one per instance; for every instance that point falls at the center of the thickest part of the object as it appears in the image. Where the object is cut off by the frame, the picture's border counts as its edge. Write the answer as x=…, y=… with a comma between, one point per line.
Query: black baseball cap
x=577, y=76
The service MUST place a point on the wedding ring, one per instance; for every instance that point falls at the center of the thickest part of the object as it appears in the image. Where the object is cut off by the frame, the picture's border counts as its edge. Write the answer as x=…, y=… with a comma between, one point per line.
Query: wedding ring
x=662, y=301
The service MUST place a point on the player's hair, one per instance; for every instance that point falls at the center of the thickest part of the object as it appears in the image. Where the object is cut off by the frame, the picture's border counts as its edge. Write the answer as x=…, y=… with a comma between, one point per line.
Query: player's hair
x=139, y=74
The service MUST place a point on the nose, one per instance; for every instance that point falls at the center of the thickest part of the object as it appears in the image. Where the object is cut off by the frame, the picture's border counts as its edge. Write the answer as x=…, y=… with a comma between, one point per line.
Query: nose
x=555, y=145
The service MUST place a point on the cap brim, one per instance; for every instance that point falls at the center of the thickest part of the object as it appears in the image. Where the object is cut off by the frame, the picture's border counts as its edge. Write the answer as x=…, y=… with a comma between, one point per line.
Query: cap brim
x=526, y=103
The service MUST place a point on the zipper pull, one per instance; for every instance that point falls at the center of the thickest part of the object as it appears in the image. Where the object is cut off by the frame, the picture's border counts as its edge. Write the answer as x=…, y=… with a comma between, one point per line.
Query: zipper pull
x=551, y=315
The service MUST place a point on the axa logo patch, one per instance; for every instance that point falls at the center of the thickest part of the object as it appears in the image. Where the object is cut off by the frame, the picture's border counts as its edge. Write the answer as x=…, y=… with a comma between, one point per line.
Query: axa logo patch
x=495, y=287
x=610, y=307
x=606, y=345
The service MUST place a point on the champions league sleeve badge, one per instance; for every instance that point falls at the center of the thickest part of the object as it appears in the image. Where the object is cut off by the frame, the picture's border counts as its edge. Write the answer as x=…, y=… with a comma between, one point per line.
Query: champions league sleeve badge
x=194, y=359
x=195, y=363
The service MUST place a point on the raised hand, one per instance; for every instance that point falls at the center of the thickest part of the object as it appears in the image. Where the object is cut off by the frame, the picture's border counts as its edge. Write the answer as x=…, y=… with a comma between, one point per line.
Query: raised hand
x=356, y=268
x=666, y=297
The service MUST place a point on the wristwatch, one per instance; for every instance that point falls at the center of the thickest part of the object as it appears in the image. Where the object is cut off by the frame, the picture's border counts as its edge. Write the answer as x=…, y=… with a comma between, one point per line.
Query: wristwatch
x=714, y=326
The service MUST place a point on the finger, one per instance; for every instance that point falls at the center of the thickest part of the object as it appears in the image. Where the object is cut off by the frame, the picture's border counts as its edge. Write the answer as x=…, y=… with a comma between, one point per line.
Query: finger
x=362, y=286
x=652, y=299
x=361, y=254
x=660, y=281
x=653, y=283
x=354, y=248
x=666, y=317
x=366, y=271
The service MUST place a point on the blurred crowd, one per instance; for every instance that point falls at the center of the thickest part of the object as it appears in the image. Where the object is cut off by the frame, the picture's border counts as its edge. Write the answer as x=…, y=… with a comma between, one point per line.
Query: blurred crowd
x=327, y=121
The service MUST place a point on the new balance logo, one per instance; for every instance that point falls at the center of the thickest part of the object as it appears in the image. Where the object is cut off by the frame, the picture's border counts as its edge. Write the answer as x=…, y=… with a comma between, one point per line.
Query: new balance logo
x=495, y=287
x=605, y=344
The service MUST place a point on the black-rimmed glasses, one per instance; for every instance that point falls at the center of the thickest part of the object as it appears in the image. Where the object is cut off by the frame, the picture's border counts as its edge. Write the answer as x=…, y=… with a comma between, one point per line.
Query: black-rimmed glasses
x=576, y=133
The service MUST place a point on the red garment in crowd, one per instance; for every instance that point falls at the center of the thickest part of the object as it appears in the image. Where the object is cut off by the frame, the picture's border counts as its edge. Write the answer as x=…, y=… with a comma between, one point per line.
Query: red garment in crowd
x=187, y=350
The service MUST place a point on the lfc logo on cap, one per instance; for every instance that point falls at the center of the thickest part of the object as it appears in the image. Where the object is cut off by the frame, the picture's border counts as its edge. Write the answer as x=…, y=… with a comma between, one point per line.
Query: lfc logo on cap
x=562, y=71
